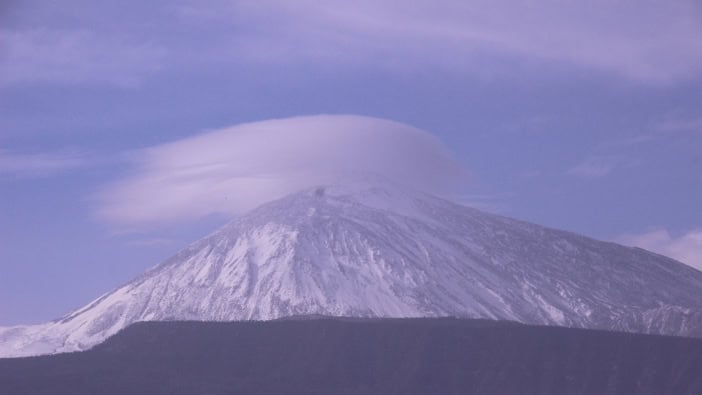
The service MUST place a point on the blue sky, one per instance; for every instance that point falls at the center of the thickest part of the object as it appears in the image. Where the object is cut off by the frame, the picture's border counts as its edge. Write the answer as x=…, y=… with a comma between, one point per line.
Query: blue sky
x=580, y=116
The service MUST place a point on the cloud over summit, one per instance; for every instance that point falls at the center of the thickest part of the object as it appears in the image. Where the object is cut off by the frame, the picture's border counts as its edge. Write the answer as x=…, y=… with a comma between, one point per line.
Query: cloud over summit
x=231, y=170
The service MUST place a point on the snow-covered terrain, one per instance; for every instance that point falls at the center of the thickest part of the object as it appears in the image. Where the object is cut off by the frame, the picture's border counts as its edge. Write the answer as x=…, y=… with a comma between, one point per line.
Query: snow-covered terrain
x=387, y=252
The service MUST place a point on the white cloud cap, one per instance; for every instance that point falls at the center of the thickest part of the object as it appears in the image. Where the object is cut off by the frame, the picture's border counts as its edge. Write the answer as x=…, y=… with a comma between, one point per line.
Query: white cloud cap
x=232, y=170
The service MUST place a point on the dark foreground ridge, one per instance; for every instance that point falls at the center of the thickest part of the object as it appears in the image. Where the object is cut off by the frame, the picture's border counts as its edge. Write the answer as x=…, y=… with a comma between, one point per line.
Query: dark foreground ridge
x=359, y=356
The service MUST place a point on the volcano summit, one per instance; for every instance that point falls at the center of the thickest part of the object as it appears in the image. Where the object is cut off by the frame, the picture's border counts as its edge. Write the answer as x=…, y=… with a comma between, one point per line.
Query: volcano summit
x=386, y=251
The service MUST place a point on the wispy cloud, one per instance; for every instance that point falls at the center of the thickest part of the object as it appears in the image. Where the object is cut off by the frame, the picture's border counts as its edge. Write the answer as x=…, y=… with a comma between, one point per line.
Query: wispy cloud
x=648, y=41
x=686, y=248
x=598, y=166
x=39, y=165
x=680, y=125
x=231, y=170
x=667, y=129
x=150, y=242
x=74, y=56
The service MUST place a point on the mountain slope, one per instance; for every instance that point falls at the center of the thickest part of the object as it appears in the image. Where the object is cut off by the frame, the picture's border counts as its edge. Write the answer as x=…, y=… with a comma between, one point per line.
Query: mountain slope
x=388, y=252
x=365, y=356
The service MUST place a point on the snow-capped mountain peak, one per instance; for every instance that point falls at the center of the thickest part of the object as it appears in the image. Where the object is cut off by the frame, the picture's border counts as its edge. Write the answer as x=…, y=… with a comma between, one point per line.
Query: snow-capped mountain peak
x=385, y=251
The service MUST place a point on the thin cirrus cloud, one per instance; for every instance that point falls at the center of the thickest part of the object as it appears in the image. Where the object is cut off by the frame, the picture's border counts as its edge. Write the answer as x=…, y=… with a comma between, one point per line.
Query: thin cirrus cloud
x=599, y=166
x=693, y=125
x=39, y=165
x=68, y=55
x=649, y=41
x=231, y=170
x=667, y=129
x=686, y=248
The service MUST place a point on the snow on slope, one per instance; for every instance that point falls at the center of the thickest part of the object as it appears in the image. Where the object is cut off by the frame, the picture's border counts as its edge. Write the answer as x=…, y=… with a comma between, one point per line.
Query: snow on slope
x=387, y=252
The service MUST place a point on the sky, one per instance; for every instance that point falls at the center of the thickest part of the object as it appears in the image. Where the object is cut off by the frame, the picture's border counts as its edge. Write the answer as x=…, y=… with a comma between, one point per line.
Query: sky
x=129, y=129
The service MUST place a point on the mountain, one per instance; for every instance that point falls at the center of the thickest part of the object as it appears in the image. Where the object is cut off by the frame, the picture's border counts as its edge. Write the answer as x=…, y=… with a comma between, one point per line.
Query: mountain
x=364, y=356
x=370, y=251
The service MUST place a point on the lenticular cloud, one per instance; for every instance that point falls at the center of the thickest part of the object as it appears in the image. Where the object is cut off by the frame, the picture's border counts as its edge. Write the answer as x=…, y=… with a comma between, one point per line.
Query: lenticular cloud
x=231, y=170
